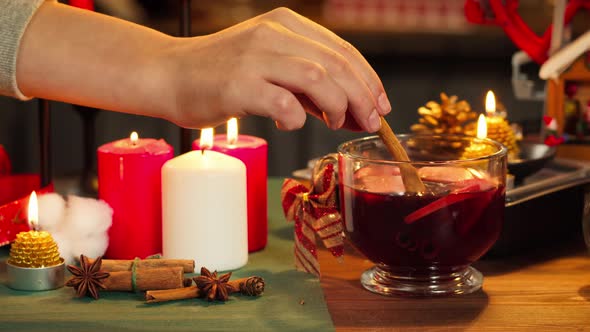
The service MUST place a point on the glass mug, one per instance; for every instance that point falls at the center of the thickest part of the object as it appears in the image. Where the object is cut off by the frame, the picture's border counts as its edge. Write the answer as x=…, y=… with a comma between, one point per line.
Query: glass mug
x=422, y=244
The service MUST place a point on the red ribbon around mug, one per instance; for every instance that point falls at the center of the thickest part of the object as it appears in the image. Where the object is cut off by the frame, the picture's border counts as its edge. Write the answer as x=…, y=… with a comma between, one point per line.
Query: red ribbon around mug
x=315, y=213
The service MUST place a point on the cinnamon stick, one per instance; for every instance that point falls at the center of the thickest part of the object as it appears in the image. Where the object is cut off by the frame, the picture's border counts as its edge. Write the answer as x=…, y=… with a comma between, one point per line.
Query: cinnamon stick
x=410, y=177
x=114, y=265
x=159, y=278
x=251, y=286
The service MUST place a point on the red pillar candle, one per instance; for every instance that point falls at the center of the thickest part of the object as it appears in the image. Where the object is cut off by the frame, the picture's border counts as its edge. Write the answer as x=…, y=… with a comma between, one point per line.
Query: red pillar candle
x=129, y=180
x=252, y=151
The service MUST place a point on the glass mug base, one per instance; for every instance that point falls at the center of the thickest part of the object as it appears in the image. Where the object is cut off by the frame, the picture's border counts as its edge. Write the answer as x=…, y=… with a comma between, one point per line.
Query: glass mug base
x=389, y=283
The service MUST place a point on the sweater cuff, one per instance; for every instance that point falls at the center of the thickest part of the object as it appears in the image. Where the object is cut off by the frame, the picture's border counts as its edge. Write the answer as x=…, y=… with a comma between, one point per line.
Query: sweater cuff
x=15, y=15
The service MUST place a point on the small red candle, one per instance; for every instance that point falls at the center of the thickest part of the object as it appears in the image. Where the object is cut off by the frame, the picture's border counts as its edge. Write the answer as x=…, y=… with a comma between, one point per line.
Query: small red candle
x=129, y=180
x=252, y=151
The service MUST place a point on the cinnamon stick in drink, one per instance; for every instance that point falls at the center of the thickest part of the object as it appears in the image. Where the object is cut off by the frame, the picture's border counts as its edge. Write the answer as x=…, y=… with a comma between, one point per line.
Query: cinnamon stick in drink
x=251, y=286
x=410, y=177
x=114, y=265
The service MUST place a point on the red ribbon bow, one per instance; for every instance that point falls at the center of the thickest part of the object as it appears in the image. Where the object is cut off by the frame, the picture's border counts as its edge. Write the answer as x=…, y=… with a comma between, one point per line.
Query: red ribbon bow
x=315, y=212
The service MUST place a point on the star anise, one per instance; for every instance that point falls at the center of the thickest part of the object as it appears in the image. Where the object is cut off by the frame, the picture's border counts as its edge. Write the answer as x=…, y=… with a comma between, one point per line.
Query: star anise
x=86, y=279
x=215, y=288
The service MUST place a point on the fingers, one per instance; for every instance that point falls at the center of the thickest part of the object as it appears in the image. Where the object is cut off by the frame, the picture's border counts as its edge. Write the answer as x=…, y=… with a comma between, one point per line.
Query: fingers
x=361, y=103
x=274, y=102
x=309, y=29
x=308, y=78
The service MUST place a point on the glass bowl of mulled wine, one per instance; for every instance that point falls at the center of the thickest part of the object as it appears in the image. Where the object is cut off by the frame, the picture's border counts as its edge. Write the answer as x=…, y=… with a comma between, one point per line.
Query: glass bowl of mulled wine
x=423, y=243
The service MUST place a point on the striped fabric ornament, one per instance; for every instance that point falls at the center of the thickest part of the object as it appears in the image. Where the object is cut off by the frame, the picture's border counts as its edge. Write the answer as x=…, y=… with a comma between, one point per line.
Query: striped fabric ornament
x=315, y=213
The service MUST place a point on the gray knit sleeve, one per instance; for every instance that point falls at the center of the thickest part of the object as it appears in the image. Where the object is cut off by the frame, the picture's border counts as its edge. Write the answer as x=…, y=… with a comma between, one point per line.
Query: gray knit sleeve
x=14, y=18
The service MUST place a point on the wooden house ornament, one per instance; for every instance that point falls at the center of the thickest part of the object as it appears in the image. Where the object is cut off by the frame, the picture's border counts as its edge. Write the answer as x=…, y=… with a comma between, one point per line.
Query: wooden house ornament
x=567, y=73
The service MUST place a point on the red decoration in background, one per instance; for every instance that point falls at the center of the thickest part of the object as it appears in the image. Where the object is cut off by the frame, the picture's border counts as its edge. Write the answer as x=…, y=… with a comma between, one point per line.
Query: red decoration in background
x=14, y=198
x=315, y=213
x=5, y=165
x=504, y=13
x=551, y=137
x=553, y=140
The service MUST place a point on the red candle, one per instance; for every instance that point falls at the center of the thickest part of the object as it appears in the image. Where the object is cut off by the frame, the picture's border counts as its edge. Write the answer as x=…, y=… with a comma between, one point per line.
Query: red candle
x=84, y=4
x=252, y=151
x=129, y=180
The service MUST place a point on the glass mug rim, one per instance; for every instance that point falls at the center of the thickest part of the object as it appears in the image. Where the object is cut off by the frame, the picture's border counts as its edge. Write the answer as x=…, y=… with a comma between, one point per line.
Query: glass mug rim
x=501, y=150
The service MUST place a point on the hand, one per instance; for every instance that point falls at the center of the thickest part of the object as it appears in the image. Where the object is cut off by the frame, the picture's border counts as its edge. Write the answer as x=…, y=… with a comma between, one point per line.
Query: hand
x=278, y=65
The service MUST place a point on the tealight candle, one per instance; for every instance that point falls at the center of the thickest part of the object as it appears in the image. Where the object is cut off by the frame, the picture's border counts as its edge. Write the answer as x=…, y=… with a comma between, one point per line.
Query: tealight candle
x=34, y=262
x=253, y=151
x=479, y=149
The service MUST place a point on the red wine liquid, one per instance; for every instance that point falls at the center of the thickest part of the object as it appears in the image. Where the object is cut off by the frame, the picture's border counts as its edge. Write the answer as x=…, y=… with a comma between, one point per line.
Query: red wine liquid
x=447, y=237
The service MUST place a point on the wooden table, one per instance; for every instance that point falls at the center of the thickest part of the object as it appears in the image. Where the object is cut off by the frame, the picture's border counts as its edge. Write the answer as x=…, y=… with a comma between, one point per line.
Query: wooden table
x=542, y=291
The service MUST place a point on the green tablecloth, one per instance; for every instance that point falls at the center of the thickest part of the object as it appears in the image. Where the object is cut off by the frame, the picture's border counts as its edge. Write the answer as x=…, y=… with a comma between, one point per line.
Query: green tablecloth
x=280, y=308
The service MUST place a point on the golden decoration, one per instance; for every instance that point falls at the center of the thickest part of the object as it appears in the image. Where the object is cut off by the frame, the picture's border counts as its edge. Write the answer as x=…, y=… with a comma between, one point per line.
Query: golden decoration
x=450, y=116
x=34, y=249
x=499, y=130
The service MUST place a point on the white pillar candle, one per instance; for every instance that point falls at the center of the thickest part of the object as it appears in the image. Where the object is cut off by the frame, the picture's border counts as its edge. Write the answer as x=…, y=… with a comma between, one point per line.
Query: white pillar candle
x=204, y=210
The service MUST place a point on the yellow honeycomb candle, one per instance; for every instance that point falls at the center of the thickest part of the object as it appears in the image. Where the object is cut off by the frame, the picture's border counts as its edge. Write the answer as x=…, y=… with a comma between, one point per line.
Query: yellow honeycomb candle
x=34, y=249
x=499, y=129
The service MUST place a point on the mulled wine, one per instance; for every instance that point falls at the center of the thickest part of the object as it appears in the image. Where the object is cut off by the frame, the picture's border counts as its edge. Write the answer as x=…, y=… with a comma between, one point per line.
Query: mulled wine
x=439, y=230
x=422, y=243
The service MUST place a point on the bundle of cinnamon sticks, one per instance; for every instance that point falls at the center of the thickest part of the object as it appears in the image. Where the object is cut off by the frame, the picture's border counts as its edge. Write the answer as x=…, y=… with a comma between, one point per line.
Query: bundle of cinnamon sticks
x=163, y=279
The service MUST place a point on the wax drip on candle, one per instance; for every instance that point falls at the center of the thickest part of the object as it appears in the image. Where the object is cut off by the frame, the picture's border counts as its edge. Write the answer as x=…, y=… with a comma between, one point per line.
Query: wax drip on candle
x=206, y=141
x=134, y=137
x=232, y=131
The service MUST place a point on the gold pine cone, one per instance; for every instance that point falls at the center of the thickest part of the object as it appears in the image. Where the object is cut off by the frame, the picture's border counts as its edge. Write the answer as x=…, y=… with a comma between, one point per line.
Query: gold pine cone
x=450, y=116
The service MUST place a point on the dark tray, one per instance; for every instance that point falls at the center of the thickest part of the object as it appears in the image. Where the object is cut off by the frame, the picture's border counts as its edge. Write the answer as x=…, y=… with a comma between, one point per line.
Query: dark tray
x=547, y=209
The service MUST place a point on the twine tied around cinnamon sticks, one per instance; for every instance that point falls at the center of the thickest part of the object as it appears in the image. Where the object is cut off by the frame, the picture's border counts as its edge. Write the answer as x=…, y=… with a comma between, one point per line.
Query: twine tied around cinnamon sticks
x=165, y=277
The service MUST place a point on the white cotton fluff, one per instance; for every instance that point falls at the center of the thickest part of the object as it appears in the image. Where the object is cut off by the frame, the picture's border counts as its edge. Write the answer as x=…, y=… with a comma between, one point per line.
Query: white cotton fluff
x=92, y=246
x=86, y=217
x=64, y=246
x=51, y=212
x=78, y=227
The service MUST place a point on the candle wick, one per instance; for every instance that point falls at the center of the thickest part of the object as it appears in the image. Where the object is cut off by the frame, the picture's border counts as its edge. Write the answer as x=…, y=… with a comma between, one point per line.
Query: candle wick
x=203, y=151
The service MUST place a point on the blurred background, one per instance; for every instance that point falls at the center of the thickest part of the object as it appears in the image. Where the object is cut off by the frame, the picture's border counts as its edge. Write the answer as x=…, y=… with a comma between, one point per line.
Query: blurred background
x=419, y=48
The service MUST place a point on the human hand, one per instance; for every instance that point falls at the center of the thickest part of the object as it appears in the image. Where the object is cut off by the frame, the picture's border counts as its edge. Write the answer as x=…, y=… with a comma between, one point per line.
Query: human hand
x=278, y=65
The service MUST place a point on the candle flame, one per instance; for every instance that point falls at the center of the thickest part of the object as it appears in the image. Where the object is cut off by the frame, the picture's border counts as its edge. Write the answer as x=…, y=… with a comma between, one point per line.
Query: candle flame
x=232, y=131
x=33, y=212
x=490, y=103
x=134, y=137
x=482, y=127
x=206, y=141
